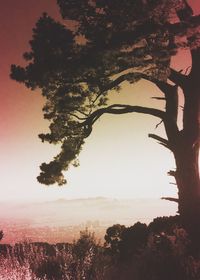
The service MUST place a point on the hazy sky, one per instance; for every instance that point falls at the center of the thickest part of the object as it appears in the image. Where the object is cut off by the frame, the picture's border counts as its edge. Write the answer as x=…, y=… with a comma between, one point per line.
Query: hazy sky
x=118, y=159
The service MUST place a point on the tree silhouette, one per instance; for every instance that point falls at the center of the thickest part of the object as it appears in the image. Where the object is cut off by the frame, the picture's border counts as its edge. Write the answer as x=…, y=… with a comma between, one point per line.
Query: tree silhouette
x=113, y=238
x=103, y=44
x=133, y=239
x=164, y=224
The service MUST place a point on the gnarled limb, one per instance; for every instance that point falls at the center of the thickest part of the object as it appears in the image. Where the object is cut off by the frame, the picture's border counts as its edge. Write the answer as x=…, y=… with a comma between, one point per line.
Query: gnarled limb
x=119, y=109
x=123, y=109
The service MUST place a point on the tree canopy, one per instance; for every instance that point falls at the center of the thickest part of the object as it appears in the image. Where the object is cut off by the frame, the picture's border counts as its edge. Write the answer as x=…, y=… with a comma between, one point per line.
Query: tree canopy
x=99, y=45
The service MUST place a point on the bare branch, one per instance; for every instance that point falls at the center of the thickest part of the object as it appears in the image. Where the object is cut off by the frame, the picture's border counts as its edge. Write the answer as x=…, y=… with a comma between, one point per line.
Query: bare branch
x=114, y=83
x=159, y=138
x=187, y=69
x=163, y=86
x=125, y=75
x=172, y=173
x=171, y=199
x=162, y=141
x=118, y=81
x=170, y=121
x=159, y=123
x=79, y=118
x=123, y=109
x=118, y=109
x=158, y=98
x=174, y=184
x=79, y=111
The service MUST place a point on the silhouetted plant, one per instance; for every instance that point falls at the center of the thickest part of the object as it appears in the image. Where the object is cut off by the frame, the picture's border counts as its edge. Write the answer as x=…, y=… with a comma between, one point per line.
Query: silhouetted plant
x=164, y=224
x=133, y=239
x=154, y=255
x=113, y=238
x=141, y=255
x=1, y=235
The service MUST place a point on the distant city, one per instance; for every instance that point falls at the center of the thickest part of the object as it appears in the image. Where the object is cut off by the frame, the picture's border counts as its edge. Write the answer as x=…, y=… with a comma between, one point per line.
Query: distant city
x=62, y=220
x=19, y=233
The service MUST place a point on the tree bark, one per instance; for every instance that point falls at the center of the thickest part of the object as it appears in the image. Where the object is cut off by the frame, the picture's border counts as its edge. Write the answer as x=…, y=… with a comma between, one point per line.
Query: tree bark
x=187, y=179
x=186, y=154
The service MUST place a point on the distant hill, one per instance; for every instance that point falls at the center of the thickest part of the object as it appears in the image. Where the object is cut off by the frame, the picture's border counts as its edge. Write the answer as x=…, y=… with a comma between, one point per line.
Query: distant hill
x=65, y=212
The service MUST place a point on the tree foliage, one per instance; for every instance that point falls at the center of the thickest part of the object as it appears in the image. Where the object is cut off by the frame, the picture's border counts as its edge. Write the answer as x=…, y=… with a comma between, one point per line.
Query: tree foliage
x=125, y=242
x=103, y=44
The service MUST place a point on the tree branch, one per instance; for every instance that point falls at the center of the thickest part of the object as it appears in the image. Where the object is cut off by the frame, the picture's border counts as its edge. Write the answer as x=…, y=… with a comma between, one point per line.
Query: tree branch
x=171, y=199
x=79, y=111
x=113, y=84
x=158, y=98
x=177, y=78
x=79, y=118
x=119, y=109
x=161, y=140
x=171, y=97
x=170, y=121
x=149, y=27
x=163, y=86
x=118, y=81
x=170, y=116
x=123, y=109
x=171, y=173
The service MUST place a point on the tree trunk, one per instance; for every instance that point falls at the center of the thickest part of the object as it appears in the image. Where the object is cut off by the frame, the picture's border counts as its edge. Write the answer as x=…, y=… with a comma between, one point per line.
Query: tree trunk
x=187, y=179
x=187, y=154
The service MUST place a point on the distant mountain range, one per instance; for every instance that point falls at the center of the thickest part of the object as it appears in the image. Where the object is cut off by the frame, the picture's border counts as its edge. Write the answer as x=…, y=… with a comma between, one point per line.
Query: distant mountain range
x=73, y=212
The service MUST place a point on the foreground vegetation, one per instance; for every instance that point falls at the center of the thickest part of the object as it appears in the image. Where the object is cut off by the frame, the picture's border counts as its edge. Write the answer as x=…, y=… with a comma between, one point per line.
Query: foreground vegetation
x=160, y=250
